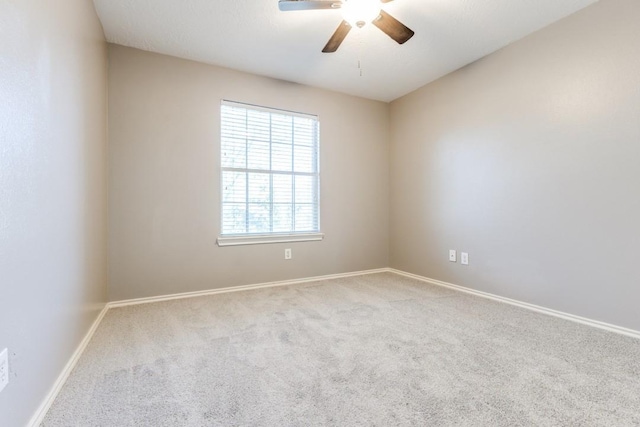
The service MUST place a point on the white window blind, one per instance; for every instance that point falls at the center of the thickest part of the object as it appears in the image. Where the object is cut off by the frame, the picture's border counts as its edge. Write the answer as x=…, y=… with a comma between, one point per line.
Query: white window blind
x=270, y=176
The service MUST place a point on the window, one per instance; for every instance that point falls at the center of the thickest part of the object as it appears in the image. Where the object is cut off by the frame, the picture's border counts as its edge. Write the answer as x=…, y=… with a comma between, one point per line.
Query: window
x=270, y=176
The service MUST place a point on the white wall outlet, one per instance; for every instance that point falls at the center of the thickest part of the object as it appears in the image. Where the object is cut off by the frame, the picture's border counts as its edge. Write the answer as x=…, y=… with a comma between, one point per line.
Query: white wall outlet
x=464, y=258
x=287, y=254
x=452, y=256
x=4, y=369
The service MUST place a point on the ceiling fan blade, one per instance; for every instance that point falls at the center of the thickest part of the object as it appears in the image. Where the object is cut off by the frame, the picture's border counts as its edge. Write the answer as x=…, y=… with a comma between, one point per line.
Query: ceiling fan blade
x=338, y=36
x=287, y=5
x=392, y=27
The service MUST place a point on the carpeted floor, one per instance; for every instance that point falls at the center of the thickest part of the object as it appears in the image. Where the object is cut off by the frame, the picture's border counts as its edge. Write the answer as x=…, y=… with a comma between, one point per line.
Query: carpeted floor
x=378, y=349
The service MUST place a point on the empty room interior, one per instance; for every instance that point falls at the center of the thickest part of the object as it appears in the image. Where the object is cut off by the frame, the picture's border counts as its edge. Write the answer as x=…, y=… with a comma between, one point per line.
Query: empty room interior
x=319, y=212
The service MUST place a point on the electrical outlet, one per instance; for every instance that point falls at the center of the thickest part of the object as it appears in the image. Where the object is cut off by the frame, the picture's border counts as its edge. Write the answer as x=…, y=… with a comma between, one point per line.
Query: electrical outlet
x=464, y=258
x=4, y=369
x=287, y=254
x=452, y=255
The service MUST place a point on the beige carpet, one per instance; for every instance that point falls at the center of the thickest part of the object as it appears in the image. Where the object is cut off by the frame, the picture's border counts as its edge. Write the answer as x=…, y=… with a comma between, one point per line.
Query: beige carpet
x=378, y=350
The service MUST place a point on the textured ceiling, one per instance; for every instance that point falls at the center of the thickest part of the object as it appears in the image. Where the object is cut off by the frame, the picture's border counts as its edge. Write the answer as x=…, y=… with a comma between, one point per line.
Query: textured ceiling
x=254, y=36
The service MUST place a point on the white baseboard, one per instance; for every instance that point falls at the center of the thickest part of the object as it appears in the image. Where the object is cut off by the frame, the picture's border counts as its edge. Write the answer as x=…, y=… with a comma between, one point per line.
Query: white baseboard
x=39, y=415
x=41, y=412
x=137, y=301
x=533, y=307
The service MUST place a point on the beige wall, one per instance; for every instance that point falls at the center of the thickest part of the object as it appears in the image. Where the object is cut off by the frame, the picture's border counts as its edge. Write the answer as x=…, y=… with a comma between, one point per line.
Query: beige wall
x=53, y=76
x=164, y=185
x=529, y=160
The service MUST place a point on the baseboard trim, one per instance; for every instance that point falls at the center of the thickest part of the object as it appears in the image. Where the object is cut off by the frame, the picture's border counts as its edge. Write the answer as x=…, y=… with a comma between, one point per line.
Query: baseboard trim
x=555, y=313
x=182, y=295
x=41, y=412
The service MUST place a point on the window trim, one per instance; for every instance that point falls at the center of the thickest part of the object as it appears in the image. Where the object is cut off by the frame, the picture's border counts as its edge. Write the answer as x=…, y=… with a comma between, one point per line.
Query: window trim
x=276, y=237
x=259, y=239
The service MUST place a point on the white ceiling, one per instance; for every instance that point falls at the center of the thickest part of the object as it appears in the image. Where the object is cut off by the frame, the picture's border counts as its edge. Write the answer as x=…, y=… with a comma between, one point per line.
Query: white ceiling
x=254, y=36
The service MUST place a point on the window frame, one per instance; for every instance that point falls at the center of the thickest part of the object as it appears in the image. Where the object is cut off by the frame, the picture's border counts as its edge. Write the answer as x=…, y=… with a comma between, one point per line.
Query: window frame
x=269, y=237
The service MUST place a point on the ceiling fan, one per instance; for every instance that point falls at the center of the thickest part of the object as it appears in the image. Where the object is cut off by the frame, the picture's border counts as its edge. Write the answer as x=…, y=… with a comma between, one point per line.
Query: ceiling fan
x=355, y=13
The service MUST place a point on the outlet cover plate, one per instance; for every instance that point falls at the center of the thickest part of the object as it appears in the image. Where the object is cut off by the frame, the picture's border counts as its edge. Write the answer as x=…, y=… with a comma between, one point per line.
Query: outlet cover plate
x=4, y=369
x=464, y=258
x=452, y=255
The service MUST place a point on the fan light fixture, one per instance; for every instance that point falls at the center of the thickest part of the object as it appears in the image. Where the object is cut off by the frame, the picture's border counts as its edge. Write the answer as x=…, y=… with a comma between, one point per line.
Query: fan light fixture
x=359, y=12
x=356, y=13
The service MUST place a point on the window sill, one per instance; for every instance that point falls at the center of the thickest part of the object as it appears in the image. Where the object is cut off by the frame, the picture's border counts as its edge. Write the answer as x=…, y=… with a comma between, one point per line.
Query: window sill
x=265, y=239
